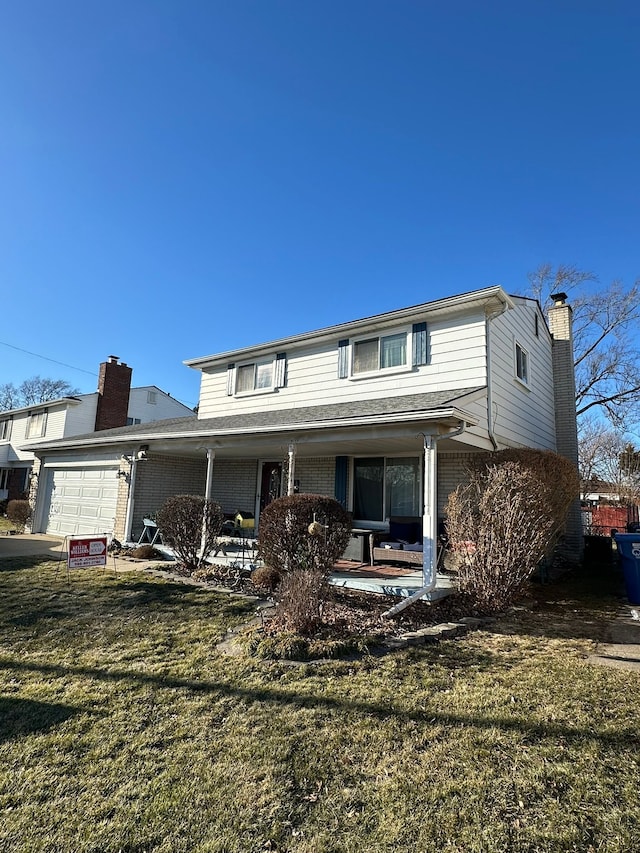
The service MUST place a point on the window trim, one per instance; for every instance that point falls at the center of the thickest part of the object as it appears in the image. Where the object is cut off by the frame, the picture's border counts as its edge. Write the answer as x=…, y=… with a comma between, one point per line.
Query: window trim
x=407, y=367
x=521, y=376
x=267, y=389
x=30, y=419
x=6, y=426
x=384, y=522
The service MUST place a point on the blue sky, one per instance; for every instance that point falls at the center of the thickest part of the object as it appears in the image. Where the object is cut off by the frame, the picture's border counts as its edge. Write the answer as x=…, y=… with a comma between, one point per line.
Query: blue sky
x=183, y=178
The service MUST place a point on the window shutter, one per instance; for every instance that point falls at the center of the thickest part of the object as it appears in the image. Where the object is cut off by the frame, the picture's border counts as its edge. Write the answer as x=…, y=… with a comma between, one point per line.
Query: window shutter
x=231, y=378
x=280, y=378
x=340, y=485
x=419, y=344
x=343, y=359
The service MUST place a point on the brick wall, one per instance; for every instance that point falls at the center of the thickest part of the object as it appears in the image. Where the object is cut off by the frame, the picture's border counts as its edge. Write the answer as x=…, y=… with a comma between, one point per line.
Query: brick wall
x=159, y=478
x=560, y=324
x=451, y=473
x=316, y=475
x=114, y=385
x=234, y=484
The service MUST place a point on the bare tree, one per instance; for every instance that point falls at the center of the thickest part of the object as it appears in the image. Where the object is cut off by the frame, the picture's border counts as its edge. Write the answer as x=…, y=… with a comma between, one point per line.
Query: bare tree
x=608, y=458
x=33, y=391
x=607, y=358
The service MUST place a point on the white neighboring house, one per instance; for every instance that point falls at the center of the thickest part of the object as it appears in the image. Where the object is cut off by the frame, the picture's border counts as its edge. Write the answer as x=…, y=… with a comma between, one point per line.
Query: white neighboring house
x=114, y=404
x=382, y=413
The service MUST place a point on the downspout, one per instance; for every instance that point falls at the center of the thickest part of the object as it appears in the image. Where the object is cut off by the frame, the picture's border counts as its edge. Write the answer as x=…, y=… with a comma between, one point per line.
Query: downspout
x=489, y=318
x=429, y=520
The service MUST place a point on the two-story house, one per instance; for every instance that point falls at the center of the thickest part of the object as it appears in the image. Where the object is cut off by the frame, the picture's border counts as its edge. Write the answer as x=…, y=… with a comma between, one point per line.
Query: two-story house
x=382, y=413
x=114, y=404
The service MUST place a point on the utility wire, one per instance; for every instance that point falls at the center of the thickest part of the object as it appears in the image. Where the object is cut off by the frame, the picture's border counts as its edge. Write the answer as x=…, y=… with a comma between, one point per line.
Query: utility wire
x=53, y=360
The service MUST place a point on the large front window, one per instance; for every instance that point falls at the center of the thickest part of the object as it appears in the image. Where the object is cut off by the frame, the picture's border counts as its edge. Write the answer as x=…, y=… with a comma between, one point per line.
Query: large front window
x=380, y=353
x=386, y=487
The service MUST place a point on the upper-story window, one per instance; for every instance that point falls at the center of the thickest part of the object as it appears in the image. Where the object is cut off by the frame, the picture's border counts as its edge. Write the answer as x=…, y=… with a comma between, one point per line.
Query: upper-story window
x=269, y=374
x=5, y=429
x=380, y=353
x=402, y=350
x=253, y=377
x=522, y=363
x=37, y=424
x=152, y=397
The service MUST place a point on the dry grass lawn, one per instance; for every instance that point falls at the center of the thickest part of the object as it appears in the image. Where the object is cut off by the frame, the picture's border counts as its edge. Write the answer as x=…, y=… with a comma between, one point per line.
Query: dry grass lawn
x=123, y=729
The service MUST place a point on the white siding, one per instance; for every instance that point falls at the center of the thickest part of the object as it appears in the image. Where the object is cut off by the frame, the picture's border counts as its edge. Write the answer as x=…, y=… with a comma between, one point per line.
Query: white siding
x=164, y=407
x=56, y=418
x=82, y=418
x=457, y=352
x=522, y=416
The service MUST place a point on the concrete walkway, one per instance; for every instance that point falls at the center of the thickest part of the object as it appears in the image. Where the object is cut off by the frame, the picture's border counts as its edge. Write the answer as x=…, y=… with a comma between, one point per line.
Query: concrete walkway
x=623, y=649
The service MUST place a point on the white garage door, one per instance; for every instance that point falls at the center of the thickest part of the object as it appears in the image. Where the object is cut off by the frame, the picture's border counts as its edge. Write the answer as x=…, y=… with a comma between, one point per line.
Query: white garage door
x=81, y=500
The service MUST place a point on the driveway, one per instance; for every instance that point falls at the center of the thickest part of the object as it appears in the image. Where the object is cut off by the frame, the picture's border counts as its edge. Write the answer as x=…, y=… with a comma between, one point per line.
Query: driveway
x=31, y=544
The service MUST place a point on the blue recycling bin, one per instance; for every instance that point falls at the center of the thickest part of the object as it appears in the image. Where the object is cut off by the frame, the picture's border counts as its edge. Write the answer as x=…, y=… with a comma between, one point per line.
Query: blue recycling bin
x=629, y=550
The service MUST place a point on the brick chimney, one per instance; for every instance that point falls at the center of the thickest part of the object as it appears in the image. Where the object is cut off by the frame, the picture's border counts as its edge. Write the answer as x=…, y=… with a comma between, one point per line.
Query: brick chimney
x=564, y=389
x=114, y=384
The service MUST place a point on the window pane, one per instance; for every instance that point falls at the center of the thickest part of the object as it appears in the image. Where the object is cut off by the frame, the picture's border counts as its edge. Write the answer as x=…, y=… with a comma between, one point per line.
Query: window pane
x=403, y=492
x=393, y=350
x=365, y=356
x=521, y=364
x=264, y=375
x=245, y=378
x=368, y=476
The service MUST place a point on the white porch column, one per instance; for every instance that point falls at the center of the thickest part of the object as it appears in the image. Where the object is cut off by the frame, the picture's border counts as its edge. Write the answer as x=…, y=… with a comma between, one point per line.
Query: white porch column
x=128, y=522
x=430, y=517
x=208, y=487
x=292, y=469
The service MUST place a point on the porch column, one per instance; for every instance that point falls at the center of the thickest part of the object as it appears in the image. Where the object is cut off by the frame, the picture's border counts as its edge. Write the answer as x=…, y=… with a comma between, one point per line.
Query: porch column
x=208, y=488
x=430, y=516
x=291, y=469
x=128, y=522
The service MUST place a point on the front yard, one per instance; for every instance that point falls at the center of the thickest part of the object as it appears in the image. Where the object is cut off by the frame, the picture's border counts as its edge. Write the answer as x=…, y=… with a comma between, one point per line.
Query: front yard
x=123, y=729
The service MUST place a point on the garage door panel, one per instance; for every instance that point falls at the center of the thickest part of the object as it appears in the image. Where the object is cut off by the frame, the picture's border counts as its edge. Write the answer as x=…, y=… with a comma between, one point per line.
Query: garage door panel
x=81, y=500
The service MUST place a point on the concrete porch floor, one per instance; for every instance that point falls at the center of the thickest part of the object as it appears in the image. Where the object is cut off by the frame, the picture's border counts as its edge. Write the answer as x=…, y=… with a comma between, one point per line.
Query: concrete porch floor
x=399, y=582
x=382, y=579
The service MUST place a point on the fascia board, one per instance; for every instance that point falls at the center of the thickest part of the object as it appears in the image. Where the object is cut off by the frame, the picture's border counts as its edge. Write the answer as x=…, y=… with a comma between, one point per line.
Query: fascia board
x=453, y=303
x=363, y=420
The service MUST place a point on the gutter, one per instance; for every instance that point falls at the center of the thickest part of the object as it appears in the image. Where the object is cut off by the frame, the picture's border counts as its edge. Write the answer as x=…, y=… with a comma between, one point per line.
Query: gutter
x=361, y=420
x=431, y=538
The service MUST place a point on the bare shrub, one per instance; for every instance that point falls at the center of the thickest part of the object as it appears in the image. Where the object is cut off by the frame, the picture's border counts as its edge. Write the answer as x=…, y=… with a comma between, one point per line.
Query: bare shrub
x=266, y=577
x=303, y=531
x=182, y=519
x=18, y=513
x=301, y=537
x=505, y=520
x=300, y=598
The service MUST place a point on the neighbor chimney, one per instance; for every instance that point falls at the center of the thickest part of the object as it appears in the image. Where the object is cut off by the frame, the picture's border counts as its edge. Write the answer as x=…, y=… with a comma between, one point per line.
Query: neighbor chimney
x=114, y=384
x=564, y=388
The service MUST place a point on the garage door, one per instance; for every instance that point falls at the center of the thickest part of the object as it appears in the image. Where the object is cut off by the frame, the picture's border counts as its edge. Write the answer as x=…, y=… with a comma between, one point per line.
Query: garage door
x=81, y=500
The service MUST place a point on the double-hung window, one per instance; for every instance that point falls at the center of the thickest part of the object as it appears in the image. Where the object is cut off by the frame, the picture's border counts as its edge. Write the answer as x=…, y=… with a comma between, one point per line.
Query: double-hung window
x=522, y=363
x=254, y=377
x=387, y=351
x=37, y=424
x=5, y=429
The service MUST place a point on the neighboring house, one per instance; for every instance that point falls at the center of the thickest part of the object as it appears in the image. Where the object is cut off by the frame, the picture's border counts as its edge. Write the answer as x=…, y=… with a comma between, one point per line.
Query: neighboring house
x=114, y=404
x=382, y=413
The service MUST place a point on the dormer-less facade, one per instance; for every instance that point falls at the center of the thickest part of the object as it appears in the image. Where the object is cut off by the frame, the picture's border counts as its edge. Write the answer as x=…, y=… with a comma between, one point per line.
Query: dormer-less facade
x=382, y=413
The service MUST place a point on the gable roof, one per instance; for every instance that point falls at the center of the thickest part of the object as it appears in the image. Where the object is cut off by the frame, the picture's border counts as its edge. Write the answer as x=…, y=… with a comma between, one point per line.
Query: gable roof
x=489, y=298
x=429, y=406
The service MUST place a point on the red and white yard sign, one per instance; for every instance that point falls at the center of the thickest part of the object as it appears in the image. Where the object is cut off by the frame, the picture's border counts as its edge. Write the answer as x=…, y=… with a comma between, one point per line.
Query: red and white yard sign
x=87, y=551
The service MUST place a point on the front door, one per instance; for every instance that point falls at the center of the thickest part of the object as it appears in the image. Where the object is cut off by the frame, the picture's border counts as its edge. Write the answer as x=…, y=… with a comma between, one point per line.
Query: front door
x=270, y=483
